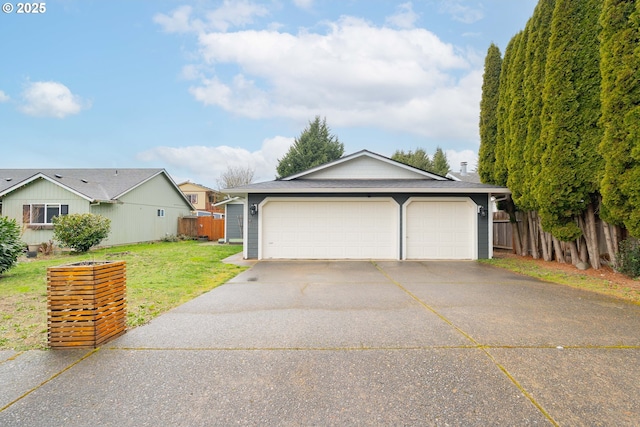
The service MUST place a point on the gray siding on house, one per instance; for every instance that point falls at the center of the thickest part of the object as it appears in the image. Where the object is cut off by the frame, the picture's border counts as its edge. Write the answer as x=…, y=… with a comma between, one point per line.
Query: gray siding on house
x=252, y=230
x=233, y=221
x=400, y=198
x=135, y=218
x=36, y=192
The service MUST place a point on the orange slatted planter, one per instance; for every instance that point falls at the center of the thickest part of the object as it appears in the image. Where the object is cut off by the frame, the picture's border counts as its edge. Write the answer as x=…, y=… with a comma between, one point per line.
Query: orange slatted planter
x=86, y=303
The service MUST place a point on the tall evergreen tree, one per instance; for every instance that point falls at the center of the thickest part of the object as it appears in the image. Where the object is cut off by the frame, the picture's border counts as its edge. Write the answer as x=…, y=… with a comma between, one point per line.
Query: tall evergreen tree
x=315, y=146
x=518, y=122
x=536, y=59
x=571, y=165
x=500, y=169
x=539, y=28
x=440, y=162
x=418, y=159
x=489, y=113
x=620, y=96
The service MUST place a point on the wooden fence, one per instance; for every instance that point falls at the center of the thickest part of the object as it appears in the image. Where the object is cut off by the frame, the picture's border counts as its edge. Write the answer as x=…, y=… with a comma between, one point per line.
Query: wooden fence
x=502, y=231
x=201, y=226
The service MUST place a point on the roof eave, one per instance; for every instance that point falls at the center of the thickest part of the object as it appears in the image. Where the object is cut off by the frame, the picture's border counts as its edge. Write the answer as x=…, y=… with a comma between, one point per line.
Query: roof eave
x=420, y=190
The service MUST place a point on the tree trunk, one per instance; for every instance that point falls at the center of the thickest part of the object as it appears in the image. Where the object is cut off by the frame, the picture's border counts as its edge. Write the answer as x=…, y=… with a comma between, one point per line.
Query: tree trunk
x=533, y=232
x=610, y=247
x=584, y=254
x=593, y=231
x=575, y=257
x=517, y=243
x=588, y=226
x=510, y=208
x=559, y=251
x=544, y=241
x=524, y=233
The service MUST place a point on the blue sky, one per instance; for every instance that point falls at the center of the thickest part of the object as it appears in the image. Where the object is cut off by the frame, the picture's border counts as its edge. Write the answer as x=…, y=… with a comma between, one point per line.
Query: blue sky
x=196, y=87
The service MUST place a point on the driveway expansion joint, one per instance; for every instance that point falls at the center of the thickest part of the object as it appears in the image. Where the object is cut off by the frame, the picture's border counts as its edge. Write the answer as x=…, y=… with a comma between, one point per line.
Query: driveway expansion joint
x=54, y=376
x=477, y=344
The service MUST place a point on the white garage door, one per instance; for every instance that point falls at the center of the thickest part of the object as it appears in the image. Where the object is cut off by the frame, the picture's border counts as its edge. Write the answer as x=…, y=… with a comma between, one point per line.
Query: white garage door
x=440, y=229
x=349, y=228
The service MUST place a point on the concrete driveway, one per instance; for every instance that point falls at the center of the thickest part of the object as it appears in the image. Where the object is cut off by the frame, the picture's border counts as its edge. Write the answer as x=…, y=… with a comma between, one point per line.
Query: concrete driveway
x=350, y=343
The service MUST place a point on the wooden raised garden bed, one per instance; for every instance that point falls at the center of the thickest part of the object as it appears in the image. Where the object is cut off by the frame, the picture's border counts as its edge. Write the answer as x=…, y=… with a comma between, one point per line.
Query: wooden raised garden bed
x=86, y=303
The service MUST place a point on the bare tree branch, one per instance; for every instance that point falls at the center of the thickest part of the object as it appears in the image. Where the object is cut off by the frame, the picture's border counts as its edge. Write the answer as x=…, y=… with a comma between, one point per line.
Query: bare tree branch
x=236, y=176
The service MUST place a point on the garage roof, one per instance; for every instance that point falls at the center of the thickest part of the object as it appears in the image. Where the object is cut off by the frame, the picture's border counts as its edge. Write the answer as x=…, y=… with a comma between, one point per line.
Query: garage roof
x=365, y=172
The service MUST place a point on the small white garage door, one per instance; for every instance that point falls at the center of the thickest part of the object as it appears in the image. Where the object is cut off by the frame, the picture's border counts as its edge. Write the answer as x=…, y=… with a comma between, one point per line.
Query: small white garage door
x=329, y=228
x=440, y=228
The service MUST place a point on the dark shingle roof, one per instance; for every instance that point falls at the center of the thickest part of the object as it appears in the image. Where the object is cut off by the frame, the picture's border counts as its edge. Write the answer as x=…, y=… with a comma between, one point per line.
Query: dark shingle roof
x=367, y=185
x=93, y=184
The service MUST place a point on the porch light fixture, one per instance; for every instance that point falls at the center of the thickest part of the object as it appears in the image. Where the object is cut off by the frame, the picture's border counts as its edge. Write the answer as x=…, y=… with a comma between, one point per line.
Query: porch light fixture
x=482, y=211
x=253, y=209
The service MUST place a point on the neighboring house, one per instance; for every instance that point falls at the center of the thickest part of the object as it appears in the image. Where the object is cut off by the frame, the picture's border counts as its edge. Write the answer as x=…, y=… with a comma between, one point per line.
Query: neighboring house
x=367, y=206
x=464, y=175
x=201, y=197
x=142, y=204
x=234, y=218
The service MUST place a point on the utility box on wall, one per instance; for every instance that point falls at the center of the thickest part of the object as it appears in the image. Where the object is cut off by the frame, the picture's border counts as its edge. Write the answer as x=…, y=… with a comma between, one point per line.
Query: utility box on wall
x=86, y=303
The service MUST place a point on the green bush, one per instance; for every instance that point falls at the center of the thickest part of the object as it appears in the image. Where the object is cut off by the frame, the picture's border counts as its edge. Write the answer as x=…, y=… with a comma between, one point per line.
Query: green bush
x=629, y=257
x=10, y=244
x=80, y=231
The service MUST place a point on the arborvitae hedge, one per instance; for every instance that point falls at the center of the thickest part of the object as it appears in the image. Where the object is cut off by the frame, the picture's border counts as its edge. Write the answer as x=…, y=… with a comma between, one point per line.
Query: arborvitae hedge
x=489, y=113
x=620, y=146
x=536, y=60
x=570, y=115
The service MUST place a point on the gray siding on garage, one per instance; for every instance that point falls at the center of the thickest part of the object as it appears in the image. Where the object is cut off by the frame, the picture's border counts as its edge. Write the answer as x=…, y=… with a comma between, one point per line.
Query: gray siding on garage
x=252, y=230
x=400, y=198
x=233, y=221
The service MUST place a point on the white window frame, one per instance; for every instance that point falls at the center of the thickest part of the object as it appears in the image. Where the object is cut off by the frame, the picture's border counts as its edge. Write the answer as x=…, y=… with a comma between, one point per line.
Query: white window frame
x=45, y=208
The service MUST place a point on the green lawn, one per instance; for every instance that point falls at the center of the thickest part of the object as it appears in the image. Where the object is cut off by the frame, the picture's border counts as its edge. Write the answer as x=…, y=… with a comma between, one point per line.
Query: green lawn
x=160, y=276
x=575, y=279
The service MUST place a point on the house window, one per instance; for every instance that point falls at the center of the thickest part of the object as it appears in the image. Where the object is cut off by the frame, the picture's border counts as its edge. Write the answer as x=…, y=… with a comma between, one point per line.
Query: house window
x=160, y=212
x=193, y=198
x=43, y=213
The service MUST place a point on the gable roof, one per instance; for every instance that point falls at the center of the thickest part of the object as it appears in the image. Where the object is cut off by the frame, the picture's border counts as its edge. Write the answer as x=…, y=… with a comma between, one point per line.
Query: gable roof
x=199, y=186
x=372, y=157
x=94, y=185
x=323, y=180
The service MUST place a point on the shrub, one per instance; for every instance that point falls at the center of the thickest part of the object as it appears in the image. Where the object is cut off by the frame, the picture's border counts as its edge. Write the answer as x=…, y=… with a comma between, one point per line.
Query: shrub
x=10, y=244
x=629, y=257
x=80, y=231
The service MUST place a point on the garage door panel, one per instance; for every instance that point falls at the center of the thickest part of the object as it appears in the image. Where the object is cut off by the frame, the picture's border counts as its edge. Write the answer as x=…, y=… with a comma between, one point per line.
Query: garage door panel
x=440, y=229
x=330, y=229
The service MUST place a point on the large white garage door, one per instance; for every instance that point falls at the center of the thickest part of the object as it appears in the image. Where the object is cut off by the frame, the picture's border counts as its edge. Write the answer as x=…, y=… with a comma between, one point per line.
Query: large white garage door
x=440, y=229
x=348, y=228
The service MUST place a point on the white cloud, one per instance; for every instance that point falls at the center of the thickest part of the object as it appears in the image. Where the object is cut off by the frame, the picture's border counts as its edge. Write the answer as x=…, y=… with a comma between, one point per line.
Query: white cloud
x=460, y=12
x=356, y=73
x=206, y=164
x=456, y=157
x=4, y=97
x=51, y=99
x=232, y=13
x=404, y=18
x=303, y=4
x=179, y=21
